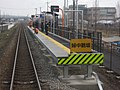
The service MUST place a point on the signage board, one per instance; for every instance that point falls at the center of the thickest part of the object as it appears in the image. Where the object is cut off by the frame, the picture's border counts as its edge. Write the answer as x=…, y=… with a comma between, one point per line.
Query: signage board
x=54, y=8
x=80, y=45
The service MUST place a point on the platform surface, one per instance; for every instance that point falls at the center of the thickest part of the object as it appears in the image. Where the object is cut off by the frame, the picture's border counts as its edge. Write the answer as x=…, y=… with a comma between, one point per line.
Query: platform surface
x=55, y=47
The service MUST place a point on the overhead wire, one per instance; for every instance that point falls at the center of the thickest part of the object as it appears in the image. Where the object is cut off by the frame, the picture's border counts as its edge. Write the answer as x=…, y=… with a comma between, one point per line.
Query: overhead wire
x=17, y=8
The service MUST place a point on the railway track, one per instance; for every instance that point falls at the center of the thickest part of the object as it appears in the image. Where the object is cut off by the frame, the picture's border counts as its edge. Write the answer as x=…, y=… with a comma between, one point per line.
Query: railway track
x=24, y=75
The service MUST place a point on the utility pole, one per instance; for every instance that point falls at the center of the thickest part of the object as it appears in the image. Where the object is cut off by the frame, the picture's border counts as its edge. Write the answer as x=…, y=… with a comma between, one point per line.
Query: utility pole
x=119, y=29
x=35, y=11
x=47, y=5
x=67, y=3
x=119, y=17
x=40, y=10
x=64, y=13
x=0, y=16
x=95, y=14
x=77, y=31
x=0, y=19
x=74, y=19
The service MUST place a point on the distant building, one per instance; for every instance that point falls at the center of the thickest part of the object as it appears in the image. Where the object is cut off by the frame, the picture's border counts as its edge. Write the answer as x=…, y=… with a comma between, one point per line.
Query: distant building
x=80, y=7
x=101, y=13
x=92, y=14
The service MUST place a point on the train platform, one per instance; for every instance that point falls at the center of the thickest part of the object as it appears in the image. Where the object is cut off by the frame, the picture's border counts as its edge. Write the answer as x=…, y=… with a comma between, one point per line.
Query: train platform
x=11, y=25
x=58, y=50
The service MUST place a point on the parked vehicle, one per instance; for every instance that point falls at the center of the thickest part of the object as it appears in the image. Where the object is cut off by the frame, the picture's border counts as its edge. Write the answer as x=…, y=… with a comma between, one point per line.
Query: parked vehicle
x=118, y=49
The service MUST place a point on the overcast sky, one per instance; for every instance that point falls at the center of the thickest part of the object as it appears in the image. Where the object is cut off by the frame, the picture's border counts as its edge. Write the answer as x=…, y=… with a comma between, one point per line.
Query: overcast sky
x=27, y=7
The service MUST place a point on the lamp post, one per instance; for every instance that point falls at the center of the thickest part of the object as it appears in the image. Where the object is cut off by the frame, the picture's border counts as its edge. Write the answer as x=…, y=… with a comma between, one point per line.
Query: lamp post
x=77, y=31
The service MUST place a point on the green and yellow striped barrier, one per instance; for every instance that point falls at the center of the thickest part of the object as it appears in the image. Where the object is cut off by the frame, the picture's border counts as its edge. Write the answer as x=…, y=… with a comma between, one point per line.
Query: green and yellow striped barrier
x=82, y=58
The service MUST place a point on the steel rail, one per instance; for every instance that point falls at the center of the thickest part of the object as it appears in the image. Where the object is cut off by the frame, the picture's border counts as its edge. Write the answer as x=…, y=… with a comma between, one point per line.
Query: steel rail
x=33, y=62
x=16, y=54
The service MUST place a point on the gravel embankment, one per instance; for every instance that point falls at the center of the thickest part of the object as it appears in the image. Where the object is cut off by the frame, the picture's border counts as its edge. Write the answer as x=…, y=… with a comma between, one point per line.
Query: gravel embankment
x=7, y=48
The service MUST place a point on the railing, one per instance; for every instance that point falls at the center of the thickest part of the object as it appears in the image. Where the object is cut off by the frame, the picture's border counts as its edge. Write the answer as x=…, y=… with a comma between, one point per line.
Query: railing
x=98, y=81
x=68, y=34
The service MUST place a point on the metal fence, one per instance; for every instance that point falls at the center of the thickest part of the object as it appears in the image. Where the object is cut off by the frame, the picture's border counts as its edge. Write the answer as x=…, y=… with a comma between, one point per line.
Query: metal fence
x=68, y=34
